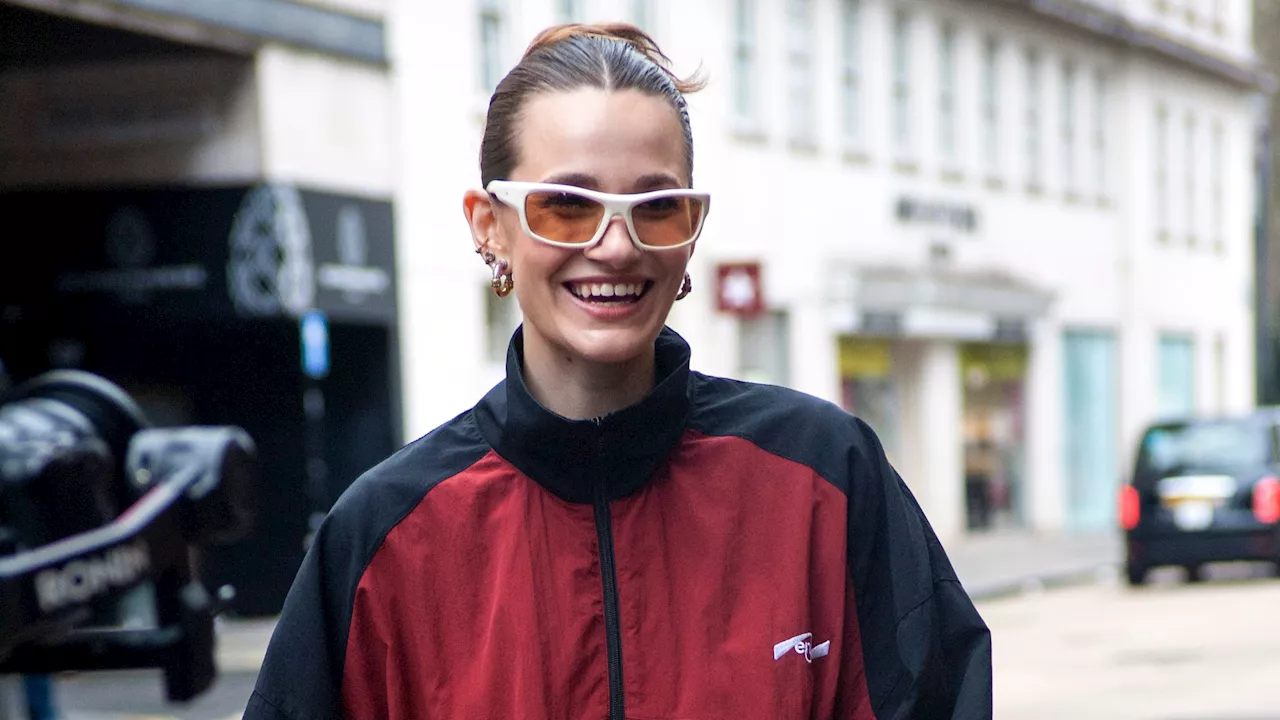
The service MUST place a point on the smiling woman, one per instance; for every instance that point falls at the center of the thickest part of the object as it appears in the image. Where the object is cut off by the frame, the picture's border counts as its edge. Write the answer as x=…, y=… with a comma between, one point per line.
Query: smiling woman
x=608, y=533
x=590, y=168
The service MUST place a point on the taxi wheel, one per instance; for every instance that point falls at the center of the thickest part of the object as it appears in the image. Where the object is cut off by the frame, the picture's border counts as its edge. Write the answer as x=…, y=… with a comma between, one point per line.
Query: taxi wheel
x=1195, y=573
x=1136, y=575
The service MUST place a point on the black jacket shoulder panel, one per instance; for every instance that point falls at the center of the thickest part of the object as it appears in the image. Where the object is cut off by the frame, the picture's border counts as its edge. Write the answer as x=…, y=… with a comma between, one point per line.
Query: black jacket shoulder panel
x=301, y=676
x=386, y=493
x=383, y=495
x=787, y=423
x=927, y=651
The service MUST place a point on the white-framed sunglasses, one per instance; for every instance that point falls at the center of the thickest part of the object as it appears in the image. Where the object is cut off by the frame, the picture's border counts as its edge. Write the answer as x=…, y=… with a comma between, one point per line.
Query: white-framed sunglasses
x=567, y=216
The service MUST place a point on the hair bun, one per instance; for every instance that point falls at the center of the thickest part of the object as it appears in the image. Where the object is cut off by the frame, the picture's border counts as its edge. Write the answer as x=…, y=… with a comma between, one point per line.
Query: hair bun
x=626, y=33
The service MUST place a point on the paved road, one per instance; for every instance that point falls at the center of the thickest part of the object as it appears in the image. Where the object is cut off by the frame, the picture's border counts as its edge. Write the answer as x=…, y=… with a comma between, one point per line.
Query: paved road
x=1101, y=652
x=140, y=696
x=1168, y=652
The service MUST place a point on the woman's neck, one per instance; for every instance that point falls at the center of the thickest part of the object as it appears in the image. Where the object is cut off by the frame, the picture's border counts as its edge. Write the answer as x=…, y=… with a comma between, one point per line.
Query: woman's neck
x=576, y=389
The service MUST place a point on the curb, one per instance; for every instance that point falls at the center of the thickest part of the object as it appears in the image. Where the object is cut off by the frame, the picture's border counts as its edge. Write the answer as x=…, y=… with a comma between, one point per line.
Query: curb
x=1034, y=584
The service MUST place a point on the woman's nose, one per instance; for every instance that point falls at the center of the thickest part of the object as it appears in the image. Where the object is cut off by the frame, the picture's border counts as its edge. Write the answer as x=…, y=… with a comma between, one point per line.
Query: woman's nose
x=616, y=245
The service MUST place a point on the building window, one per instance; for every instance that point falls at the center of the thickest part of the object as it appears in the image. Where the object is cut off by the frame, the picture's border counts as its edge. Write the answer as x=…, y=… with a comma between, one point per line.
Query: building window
x=744, y=59
x=800, y=70
x=850, y=71
x=1091, y=427
x=1216, y=212
x=491, y=58
x=1031, y=115
x=1176, y=394
x=902, y=135
x=641, y=13
x=1189, y=172
x=501, y=317
x=991, y=106
x=947, y=143
x=1162, y=172
x=1100, y=133
x=569, y=11
x=764, y=344
x=1068, y=121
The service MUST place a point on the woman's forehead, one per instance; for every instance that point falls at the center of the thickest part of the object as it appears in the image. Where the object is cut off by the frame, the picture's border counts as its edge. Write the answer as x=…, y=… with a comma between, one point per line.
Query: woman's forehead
x=614, y=136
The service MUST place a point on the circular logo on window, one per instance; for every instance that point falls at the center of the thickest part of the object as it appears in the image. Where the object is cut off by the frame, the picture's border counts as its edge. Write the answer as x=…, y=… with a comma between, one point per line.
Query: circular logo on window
x=271, y=269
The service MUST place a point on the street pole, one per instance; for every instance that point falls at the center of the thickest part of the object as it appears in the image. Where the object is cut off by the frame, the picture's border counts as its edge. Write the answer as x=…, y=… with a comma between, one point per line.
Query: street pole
x=1265, y=319
x=317, y=469
x=313, y=332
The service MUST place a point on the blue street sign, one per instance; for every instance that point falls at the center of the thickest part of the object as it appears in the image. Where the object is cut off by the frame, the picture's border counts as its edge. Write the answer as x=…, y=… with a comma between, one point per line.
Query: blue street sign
x=314, y=329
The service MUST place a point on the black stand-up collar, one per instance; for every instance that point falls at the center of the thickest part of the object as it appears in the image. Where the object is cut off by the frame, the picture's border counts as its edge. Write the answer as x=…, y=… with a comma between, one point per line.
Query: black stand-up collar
x=575, y=459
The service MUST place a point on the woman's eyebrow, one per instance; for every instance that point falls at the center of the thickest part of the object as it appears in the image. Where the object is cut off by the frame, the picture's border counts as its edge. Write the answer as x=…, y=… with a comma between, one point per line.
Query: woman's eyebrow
x=577, y=179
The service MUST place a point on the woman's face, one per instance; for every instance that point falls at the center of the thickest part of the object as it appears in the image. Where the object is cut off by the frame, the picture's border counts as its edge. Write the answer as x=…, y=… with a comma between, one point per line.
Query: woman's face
x=611, y=141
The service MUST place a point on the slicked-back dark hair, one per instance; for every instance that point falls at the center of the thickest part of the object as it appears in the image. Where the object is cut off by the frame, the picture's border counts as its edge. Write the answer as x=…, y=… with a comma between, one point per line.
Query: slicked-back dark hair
x=611, y=56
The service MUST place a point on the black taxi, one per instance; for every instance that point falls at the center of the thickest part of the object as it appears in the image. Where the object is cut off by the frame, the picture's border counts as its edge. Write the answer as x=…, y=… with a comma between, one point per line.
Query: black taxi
x=1203, y=491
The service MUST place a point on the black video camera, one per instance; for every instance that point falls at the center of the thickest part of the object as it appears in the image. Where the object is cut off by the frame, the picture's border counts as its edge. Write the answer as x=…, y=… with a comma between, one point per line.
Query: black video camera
x=101, y=519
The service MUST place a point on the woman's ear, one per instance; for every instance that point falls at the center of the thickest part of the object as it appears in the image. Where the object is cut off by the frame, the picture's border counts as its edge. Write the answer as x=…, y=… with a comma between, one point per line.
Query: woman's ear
x=479, y=207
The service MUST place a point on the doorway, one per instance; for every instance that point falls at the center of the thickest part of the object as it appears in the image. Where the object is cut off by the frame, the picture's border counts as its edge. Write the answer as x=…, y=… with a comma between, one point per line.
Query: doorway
x=993, y=381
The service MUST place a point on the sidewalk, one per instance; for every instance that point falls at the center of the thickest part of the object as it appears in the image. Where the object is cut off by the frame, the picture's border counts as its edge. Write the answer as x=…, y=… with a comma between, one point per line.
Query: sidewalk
x=1005, y=563
x=243, y=643
x=990, y=566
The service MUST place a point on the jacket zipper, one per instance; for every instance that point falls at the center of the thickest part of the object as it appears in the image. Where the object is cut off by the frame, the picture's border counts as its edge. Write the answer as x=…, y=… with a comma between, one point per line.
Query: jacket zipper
x=612, y=629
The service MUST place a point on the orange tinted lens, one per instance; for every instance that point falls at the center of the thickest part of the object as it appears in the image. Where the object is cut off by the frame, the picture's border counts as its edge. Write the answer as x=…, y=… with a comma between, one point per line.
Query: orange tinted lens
x=563, y=217
x=668, y=221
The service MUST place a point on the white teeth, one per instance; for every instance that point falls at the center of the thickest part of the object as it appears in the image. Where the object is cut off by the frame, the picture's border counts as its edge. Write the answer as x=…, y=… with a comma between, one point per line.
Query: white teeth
x=607, y=290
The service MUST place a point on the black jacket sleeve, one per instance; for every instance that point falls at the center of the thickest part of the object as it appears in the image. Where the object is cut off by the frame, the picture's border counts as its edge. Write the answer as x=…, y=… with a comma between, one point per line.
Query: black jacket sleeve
x=927, y=651
x=301, y=675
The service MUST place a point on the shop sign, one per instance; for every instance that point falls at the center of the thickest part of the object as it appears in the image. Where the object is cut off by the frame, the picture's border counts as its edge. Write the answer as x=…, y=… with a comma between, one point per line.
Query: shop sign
x=880, y=323
x=132, y=273
x=996, y=361
x=864, y=357
x=1012, y=330
x=739, y=290
x=261, y=251
x=952, y=216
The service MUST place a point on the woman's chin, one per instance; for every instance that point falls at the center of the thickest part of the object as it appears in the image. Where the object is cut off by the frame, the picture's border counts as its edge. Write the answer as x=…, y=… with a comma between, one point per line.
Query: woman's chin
x=611, y=345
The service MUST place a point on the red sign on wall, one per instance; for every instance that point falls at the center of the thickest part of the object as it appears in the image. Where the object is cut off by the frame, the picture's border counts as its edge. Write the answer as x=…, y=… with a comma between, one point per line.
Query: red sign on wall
x=738, y=289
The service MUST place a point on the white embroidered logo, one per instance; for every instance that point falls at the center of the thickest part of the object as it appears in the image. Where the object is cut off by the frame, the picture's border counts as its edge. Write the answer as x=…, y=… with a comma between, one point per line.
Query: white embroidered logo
x=802, y=645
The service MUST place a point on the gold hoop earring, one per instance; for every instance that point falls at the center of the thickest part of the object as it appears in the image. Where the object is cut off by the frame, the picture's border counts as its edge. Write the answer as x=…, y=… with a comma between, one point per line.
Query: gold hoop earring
x=686, y=287
x=502, y=282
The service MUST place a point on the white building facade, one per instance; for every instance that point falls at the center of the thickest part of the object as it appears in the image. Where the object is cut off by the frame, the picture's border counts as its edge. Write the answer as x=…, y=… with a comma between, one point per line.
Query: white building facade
x=1008, y=235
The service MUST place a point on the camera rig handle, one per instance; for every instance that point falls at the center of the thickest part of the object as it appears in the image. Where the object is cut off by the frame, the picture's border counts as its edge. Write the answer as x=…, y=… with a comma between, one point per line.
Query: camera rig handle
x=50, y=595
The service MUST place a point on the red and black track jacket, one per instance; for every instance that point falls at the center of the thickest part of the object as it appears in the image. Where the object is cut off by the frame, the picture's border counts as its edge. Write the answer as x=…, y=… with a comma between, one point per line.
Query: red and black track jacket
x=719, y=550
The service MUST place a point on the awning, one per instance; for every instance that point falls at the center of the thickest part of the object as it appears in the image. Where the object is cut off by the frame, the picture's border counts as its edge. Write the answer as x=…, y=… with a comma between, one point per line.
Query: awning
x=947, y=303
x=234, y=25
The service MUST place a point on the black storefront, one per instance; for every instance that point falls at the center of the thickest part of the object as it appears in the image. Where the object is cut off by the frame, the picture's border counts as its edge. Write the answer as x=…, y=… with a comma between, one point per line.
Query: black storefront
x=191, y=299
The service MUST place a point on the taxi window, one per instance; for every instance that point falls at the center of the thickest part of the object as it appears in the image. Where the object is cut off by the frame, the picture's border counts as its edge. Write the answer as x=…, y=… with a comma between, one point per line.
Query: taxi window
x=1205, y=446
